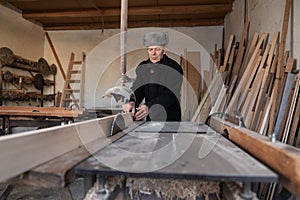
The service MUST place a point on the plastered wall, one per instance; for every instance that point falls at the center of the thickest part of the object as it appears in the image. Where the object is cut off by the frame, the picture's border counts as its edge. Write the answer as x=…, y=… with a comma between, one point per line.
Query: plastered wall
x=265, y=16
x=22, y=37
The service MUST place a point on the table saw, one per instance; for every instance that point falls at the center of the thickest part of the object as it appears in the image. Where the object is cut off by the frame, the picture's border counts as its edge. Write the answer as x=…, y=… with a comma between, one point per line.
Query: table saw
x=172, y=151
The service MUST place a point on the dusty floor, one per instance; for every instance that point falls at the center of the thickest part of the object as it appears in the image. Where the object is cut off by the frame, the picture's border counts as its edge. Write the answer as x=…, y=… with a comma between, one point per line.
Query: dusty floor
x=35, y=193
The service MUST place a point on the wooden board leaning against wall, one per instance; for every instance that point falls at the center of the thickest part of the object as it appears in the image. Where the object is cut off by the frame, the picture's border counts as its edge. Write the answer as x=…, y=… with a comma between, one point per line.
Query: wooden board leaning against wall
x=259, y=90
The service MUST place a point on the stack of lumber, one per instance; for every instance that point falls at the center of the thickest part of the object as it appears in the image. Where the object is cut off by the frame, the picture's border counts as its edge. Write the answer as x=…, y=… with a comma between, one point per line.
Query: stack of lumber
x=259, y=87
x=257, y=83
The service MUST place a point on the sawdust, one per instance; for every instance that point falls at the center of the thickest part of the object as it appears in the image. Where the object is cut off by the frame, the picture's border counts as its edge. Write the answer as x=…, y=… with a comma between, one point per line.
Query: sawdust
x=173, y=188
x=162, y=188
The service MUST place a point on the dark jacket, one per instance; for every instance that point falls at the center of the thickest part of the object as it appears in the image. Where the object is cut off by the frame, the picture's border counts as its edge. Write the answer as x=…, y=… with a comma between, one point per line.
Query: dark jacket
x=159, y=85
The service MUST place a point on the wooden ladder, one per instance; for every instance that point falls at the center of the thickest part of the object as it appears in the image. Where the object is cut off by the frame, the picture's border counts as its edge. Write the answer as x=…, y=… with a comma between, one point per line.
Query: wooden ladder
x=72, y=95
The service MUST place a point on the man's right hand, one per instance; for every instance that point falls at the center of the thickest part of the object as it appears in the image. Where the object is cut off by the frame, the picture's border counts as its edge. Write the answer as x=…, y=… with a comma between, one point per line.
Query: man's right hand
x=129, y=107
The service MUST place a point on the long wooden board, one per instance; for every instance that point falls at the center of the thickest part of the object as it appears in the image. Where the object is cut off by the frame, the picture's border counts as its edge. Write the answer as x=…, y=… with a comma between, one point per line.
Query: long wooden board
x=59, y=172
x=285, y=159
x=24, y=151
x=39, y=111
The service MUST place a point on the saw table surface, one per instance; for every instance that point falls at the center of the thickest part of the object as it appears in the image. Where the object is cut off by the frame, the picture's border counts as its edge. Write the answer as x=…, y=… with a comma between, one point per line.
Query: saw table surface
x=182, y=150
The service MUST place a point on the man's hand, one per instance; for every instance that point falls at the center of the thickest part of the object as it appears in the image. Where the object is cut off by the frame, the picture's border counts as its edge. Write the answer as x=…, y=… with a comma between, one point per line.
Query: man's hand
x=129, y=107
x=142, y=112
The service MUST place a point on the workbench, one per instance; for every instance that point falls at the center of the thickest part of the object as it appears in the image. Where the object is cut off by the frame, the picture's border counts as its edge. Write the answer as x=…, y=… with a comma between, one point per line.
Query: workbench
x=178, y=151
x=30, y=116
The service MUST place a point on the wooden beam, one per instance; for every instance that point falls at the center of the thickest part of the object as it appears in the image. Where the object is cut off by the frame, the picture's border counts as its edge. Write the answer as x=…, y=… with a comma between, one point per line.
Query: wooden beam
x=282, y=158
x=24, y=151
x=58, y=172
x=135, y=24
x=132, y=11
x=279, y=68
x=12, y=1
x=55, y=56
x=39, y=111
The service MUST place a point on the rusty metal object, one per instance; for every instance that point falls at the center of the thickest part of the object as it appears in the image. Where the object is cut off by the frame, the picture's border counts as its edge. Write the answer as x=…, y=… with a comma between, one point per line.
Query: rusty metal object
x=21, y=95
x=27, y=80
x=43, y=66
x=38, y=81
x=7, y=58
x=53, y=69
x=6, y=55
x=8, y=76
x=19, y=59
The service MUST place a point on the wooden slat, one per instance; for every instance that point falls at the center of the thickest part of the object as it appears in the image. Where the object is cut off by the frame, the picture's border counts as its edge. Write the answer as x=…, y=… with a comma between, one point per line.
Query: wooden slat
x=279, y=68
x=36, y=147
x=208, y=99
x=135, y=24
x=227, y=54
x=132, y=11
x=248, y=54
x=295, y=119
x=260, y=146
x=241, y=50
x=265, y=83
x=39, y=111
x=55, y=55
x=58, y=172
x=245, y=79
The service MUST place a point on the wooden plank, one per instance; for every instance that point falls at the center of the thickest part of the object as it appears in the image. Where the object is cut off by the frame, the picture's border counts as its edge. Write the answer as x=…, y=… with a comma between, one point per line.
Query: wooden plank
x=240, y=55
x=132, y=11
x=248, y=54
x=248, y=110
x=295, y=119
x=135, y=24
x=241, y=50
x=223, y=68
x=260, y=146
x=183, y=63
x=279, y=68
x=265, y=82
x=282, y=120
x=55, y=55
x=195, y=89
x=37, y=147
x=208, y=100
x=39, y=111
x=58, y=172
x=230, y=64
x=245, y=78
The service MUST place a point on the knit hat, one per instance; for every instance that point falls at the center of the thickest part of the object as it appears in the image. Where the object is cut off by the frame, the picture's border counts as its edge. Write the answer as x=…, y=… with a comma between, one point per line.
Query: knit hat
x=155, y=39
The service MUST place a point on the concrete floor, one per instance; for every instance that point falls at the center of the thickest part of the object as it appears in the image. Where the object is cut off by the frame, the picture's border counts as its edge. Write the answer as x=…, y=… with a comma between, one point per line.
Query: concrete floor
x=21, y=192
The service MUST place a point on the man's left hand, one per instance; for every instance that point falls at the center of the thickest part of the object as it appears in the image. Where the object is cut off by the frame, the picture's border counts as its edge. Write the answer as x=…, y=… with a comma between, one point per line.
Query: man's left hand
x=142, y=112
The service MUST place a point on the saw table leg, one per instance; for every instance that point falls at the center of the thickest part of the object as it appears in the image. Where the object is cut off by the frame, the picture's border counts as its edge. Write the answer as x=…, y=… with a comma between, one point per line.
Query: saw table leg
x=6, y=125
x=247, y=193
x=88, y=183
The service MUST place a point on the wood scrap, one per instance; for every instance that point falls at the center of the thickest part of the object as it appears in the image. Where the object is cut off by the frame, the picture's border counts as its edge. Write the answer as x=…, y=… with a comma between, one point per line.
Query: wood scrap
x=284, y=104
x=259, y=146
x=279, y=68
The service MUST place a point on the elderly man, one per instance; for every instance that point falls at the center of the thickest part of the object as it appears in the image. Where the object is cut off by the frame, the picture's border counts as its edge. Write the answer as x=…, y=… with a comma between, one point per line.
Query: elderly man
x=158, y=83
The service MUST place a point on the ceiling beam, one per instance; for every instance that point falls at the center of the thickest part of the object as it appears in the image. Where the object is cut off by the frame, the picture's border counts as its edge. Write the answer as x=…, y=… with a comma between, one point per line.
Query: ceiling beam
x=135, y=24
x=132, y=11
x=12, y=1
